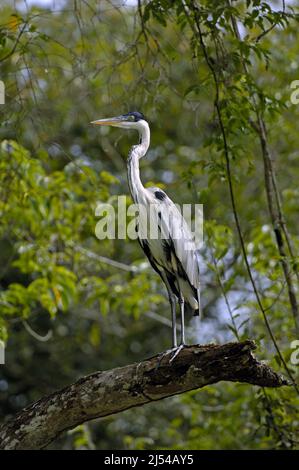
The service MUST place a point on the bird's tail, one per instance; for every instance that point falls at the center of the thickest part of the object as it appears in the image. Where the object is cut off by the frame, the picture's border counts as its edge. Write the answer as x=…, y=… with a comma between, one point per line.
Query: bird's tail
x=190, y=305
x=198, y=311
x=191, y=311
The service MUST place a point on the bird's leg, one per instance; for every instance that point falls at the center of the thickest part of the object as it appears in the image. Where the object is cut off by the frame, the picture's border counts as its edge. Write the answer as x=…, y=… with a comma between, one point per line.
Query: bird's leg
x=182, y=311
x=175, y=349
x=172, y=301
x=173, y=318
x=182, y=342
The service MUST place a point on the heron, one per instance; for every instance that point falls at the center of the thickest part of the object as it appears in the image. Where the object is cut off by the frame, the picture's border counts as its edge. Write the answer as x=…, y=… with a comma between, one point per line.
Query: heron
x=173, y=254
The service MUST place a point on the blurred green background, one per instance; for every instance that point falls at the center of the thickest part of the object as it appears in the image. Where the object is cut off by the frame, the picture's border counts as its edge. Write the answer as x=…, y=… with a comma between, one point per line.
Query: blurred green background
x=66, y=310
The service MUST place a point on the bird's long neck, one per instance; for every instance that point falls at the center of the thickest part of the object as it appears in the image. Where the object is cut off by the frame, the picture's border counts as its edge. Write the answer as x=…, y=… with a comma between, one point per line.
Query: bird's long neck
x=137, y=152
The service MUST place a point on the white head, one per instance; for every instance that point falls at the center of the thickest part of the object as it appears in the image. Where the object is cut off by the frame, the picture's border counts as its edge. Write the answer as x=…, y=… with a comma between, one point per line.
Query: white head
x=131, y=120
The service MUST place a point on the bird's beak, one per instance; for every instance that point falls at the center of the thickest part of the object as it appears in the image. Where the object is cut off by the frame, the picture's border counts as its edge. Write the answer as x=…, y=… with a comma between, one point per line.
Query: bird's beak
x=115, y=121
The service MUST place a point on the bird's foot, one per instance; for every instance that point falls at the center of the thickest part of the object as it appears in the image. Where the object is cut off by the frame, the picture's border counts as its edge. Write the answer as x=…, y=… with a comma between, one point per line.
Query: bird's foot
x=173, y=352
x=176, y=352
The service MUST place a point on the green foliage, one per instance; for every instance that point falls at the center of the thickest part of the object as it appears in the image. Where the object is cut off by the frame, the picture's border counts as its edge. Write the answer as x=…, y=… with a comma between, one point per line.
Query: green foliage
x=61, y=282
x=44, y=216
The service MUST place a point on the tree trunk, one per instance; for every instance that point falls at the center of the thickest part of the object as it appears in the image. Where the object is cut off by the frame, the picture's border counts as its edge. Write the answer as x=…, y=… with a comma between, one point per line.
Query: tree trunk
x=105, y=393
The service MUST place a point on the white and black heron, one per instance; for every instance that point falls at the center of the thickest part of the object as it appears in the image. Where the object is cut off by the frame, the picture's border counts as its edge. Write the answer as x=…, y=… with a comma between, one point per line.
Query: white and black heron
x=172, y=254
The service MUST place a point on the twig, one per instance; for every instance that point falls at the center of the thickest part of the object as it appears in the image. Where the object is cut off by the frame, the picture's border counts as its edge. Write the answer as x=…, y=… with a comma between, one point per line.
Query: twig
x=198, y=33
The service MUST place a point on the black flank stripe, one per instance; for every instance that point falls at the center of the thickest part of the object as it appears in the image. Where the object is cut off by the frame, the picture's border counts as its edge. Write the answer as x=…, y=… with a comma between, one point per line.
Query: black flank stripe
x=160, y=195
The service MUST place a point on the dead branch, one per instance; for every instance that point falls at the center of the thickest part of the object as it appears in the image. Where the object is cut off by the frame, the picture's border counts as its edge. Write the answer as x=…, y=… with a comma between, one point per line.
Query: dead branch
x=108, y=392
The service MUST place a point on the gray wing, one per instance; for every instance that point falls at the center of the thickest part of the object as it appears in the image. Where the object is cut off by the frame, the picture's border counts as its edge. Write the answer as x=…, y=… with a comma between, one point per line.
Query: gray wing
x=177, y=237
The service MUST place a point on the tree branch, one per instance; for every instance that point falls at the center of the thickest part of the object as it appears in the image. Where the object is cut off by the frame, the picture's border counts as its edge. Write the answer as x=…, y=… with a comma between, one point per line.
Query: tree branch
x=272, y=193
x=195, y=26
x=105, y=393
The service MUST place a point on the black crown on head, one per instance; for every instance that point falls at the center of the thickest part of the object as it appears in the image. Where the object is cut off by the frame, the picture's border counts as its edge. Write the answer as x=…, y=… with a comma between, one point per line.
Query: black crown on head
x=136, y=115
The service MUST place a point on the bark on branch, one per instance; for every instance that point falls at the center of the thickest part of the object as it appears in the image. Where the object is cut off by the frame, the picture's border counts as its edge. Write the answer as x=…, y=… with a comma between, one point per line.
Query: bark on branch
x=104, y=393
